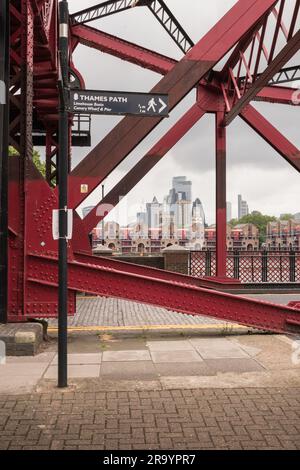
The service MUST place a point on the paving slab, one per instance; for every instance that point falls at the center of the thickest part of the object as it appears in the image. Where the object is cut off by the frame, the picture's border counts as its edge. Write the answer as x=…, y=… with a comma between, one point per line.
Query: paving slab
x=10, y=385
x=75, y=371
x=170, y=369
x=252, y=351
x=77, y=359
x=183, y=345
x=44, y=357
x=139, y=370
x=218, y=348
x=118, y=356
x=175, y=356
x=19, y=376
x=23, y=369
x=110, y=343
x=233, y=365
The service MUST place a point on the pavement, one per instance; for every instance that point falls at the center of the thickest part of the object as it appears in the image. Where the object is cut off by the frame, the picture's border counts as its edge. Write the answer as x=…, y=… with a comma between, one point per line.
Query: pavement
x=130, y=318
x=202, y=361
x=236, y=392
x=181, y=419
x=209, y=391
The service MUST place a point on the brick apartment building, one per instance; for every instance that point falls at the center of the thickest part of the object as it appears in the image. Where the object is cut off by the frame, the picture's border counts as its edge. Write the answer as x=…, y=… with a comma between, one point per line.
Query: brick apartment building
x=242, y=237
x=129, y=240
x=283, y=235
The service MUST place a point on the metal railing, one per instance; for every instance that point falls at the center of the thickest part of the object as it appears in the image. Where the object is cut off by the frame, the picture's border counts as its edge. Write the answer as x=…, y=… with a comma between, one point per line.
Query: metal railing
x=274, y=267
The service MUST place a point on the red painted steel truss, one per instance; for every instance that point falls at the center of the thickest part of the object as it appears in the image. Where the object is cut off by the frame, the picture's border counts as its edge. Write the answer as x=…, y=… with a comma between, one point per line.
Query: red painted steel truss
x=258, y=38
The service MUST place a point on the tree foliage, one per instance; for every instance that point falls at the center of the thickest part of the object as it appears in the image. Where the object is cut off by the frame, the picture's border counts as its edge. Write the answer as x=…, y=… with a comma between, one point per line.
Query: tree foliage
x=286, y=216
x=41, y=166
x=258, y=219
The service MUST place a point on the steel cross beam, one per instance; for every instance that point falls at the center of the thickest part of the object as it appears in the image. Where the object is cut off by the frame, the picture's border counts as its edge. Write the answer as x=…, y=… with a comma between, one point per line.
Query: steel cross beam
x=285, y=75
x=122, y=49
x=146, y=58
x=147, y=271
x=174, y=29
x=158, y=7
x=178, y=297
x=101, y=10
x=279, y=95
x=125, y=267
x=271, y=135
x=272, y=69
x=177, y=83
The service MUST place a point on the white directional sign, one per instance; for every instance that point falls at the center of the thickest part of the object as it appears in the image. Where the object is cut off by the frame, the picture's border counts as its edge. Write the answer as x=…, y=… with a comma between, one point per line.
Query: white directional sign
x=55, y=224
x=119, y=103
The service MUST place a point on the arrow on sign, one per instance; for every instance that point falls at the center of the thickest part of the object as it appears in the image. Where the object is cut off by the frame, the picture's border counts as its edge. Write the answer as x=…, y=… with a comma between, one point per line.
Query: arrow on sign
x=163, y=105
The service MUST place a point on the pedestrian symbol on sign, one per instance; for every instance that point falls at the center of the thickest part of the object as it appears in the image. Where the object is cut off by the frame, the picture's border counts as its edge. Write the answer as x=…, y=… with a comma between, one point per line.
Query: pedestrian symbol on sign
x=152, y=105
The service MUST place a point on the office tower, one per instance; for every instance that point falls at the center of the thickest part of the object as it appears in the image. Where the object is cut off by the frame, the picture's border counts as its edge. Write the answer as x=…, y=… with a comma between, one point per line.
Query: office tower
x=243, y=208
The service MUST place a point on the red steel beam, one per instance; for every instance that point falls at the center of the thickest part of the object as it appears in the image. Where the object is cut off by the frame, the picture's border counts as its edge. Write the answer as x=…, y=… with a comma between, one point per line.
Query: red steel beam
x=104, y=158
x=271, y=135
x=221, y=223
x=116, y=264
x=151, y=60
x=240, y=47
x=279, y=95
x=178, y=297
x=289, y=50
x=122, y=49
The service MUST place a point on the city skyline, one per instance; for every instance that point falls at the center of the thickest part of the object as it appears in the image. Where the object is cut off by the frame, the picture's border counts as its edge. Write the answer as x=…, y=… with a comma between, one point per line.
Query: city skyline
x=177, y=211
x=128, y=214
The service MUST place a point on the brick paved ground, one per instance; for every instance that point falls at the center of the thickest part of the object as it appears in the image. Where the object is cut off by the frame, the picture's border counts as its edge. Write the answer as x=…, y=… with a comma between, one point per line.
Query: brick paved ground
x=100, y=311
x=253, y=418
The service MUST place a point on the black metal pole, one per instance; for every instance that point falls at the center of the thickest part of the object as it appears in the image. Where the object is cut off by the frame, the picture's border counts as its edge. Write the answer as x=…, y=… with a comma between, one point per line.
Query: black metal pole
x=4, y=142
x=292, y=266
x=103, y=224
x=63, y=198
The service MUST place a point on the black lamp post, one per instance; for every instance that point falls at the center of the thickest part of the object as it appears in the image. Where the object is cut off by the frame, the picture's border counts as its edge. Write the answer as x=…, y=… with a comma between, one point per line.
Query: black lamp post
x=63, y=168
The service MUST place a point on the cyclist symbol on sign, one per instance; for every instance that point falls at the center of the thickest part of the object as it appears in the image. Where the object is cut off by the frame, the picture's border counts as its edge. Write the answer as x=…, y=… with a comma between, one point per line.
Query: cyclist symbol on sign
x=152, y=105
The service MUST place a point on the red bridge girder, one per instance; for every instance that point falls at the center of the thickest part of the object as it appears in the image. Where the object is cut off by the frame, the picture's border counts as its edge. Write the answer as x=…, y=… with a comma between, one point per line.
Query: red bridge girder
x=33, y=253
x=122, y=49
x=156, y=62
x=271, y=135
x=176, y=296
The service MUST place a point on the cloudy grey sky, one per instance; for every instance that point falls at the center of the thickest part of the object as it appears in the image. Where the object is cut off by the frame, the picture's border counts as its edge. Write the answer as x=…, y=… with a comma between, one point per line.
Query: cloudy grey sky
x=265, y=180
